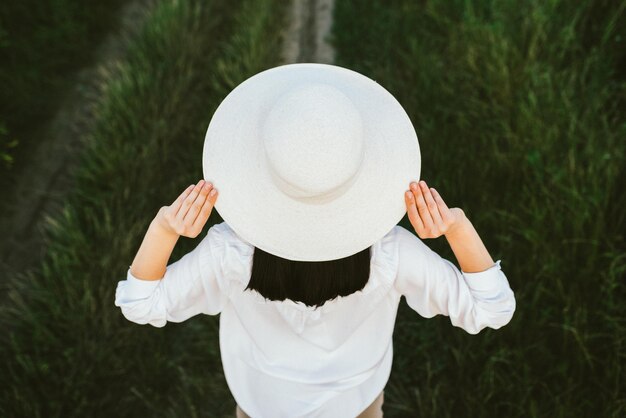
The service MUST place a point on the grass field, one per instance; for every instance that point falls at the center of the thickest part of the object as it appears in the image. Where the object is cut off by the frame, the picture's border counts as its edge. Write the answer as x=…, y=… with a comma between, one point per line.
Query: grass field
x=519, y=108
x=66, y=349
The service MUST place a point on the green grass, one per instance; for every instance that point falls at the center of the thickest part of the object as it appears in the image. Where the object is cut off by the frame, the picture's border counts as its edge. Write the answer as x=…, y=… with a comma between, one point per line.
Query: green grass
x=41, y=43
x=67, y=350
x=519, y=109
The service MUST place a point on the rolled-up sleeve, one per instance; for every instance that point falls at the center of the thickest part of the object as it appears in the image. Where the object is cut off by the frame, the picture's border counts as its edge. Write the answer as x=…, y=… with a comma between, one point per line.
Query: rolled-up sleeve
x=433, y=286
x=192, y=285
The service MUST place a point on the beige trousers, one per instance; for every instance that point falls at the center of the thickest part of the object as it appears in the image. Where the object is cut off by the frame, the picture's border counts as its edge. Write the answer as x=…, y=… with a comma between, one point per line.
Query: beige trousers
x=375, y=410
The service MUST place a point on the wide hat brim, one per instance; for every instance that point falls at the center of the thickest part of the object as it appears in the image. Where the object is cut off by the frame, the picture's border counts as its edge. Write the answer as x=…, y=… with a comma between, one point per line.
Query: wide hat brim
x=261, y=214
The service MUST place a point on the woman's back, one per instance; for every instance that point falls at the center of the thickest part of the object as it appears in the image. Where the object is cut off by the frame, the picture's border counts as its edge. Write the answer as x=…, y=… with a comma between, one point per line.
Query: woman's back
x=314, y=359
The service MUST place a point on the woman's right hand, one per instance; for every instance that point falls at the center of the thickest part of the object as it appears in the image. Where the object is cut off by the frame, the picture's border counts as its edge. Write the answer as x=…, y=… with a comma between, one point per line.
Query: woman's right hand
x=428, y=213
x=188, y=214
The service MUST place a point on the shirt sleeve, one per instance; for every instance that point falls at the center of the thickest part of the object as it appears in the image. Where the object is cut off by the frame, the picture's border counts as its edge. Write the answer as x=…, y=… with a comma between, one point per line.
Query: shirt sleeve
x=199, y=282
x=433, y=286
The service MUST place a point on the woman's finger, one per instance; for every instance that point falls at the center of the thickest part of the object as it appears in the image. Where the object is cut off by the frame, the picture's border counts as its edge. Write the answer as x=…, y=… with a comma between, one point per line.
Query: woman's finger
x=188, y=201
x=422, y=208
x=432, y=205
x=175, y=206
x=411, y=209
x=205, y=212
x=446, y=214
x=197, y=205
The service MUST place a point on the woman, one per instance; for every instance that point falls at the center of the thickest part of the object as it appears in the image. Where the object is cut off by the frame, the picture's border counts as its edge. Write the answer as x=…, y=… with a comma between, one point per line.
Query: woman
x=307, y=311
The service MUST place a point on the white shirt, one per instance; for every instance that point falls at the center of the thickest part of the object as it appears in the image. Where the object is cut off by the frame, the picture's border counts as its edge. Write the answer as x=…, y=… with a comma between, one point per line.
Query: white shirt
x=286, y=359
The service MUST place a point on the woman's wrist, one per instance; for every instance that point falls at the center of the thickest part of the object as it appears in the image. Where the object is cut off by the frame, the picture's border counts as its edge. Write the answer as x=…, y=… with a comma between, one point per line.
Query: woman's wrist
x=161, y=226
x=468, y=248
x=462, y=223
x=150, y=262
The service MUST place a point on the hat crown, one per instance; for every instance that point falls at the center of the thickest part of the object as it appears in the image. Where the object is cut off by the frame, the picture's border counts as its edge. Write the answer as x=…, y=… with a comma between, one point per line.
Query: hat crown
x=313, y=142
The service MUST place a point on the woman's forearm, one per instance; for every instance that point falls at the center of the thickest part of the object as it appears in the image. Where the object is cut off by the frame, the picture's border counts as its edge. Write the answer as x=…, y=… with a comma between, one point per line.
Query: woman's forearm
x=151, y=260
x=468, y=248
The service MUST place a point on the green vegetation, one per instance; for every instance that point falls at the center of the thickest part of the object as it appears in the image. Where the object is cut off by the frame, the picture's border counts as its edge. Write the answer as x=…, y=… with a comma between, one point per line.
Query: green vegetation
x=67, y=350
x=41, y=43
x=519, y=108
x=6, y=146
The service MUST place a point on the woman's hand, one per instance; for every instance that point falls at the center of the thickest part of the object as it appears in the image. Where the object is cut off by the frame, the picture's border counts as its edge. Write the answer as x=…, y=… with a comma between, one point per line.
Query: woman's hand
x=428, y=213
x=190, y=211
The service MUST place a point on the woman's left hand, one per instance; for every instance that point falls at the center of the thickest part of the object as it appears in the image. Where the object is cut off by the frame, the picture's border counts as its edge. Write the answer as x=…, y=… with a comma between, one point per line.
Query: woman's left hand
x=428, y=213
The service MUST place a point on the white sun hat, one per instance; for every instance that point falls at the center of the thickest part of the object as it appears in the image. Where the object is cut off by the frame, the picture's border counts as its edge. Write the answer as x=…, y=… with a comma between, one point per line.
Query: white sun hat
x=311, y=161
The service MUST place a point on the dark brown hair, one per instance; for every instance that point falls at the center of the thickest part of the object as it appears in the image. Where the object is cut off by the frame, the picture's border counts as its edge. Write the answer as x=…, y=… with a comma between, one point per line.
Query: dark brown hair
x=310, y=282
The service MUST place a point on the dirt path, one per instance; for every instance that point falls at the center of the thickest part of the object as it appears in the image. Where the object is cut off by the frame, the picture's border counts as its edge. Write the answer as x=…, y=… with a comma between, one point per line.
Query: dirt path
x=306, y=38
x=45, y=177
